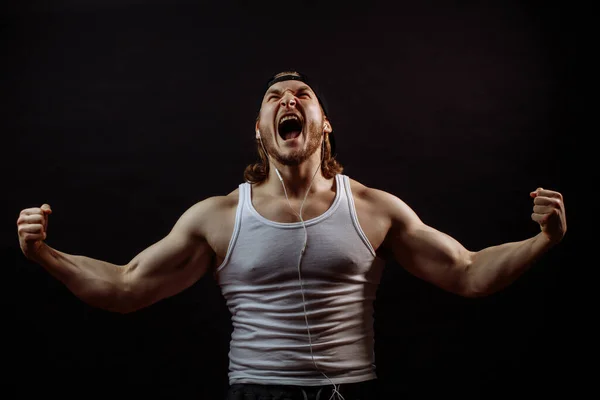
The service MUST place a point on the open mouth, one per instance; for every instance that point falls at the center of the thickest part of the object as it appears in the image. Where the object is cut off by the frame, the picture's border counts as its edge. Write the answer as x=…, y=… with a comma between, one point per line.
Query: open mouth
x=290, y=127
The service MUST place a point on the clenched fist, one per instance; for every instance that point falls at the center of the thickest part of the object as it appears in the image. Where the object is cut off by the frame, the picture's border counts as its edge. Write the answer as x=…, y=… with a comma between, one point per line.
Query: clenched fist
x=549, y=212
x=32, y=228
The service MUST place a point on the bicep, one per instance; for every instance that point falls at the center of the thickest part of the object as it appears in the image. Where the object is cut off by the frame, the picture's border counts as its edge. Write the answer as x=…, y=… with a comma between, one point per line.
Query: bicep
x=426, y=252
x=170, y=265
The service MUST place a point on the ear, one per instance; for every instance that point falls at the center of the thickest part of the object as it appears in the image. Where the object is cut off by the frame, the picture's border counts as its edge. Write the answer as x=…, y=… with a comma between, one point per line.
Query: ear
x=327, y=126
x=256, y=130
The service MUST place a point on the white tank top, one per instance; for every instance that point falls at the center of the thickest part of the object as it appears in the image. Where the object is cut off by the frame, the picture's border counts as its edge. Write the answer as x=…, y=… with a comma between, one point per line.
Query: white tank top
x=260, y=283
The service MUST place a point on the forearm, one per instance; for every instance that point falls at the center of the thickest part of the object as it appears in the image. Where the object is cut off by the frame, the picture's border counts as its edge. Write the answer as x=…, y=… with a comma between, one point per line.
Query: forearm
x=494, y=268
x=98, y=283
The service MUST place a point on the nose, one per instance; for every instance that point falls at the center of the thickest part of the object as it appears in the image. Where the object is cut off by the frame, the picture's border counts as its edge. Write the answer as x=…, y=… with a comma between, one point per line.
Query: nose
x=288, y=100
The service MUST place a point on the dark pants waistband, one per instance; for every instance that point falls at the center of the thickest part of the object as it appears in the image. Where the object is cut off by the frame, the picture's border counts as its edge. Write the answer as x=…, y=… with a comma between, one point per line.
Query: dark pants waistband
x=366, y=390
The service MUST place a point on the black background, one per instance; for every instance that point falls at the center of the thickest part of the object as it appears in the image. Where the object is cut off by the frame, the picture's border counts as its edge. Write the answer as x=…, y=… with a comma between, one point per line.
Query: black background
x=121, y=115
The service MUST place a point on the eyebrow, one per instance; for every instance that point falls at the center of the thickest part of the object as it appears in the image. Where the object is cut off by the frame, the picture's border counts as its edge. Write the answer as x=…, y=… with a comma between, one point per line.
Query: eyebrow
x=278, y=91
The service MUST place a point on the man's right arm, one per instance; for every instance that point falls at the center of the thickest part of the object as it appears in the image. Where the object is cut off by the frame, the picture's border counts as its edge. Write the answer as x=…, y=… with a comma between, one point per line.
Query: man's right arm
x=162, y=270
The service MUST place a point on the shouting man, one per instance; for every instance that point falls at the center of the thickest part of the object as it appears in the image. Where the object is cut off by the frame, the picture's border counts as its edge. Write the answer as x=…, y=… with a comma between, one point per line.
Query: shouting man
x=298, y=251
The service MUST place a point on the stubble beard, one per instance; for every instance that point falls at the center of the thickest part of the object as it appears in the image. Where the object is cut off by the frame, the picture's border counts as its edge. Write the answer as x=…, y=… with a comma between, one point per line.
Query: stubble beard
x=297, y=157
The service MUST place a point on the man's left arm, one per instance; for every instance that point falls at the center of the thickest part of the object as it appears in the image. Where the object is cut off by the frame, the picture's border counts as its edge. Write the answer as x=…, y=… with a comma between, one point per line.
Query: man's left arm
x=441, y=260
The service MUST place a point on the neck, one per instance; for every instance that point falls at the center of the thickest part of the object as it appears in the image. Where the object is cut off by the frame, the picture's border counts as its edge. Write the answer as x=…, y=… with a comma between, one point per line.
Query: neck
x=297, y=178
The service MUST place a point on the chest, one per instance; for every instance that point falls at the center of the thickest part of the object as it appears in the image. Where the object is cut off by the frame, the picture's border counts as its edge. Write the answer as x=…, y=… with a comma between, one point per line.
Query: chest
x=272, y=257
x=279, y=209
x=374, y=225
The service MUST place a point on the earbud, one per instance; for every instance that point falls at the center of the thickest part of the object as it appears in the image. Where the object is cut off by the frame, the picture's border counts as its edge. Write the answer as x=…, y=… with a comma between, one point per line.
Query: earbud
x=257, y=134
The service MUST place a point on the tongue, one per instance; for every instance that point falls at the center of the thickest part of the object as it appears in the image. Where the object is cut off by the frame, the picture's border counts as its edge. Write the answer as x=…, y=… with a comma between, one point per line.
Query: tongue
x=291, y=135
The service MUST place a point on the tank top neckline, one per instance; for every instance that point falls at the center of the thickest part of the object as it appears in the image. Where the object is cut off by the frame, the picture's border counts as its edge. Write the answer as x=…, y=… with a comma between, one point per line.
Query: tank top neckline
x=334, y=205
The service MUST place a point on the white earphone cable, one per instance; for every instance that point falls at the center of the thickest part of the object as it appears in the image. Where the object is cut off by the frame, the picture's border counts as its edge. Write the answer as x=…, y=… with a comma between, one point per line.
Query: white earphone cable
x=335, y=392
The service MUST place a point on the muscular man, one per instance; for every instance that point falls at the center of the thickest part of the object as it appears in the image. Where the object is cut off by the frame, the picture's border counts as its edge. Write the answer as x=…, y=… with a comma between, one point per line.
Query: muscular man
x=298, y=251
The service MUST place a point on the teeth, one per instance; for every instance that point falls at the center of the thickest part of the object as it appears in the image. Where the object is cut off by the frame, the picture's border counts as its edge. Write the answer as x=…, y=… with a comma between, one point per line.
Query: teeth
x=288, y=117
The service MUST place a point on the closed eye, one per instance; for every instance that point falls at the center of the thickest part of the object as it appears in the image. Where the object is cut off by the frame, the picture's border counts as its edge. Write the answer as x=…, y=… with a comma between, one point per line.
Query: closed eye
x=304, y=95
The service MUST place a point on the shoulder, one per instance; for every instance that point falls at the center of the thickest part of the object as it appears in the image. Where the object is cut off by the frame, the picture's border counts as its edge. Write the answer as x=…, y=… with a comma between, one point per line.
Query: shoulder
x=218, y=203
x=213, y=204
x=375, y=197
x=363, y=192
x=382, y=203
x=202, y=215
